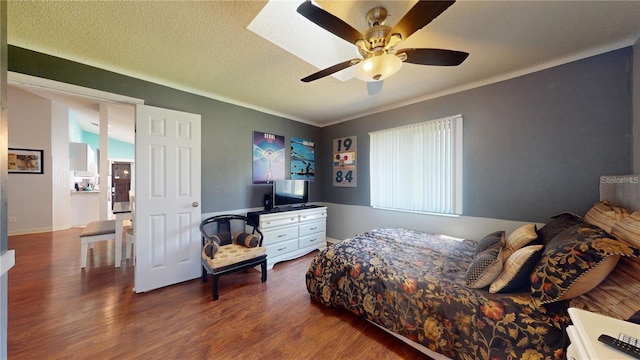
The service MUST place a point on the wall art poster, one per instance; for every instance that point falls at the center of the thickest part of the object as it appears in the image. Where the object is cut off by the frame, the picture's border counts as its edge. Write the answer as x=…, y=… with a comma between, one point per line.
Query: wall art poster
x=25, y=161
x=344, y=162
x=268, y=157
x=302, y=160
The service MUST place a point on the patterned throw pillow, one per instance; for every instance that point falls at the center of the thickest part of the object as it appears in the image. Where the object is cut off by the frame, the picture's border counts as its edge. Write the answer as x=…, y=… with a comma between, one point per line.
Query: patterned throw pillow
x=628, y=229
x=494, y=240
x=557, y=224
x=604, y=215
x=485, y=267
x=246, y=240
x=575, y=261
x=519, y=238
x=517, y=270
x=211, y=246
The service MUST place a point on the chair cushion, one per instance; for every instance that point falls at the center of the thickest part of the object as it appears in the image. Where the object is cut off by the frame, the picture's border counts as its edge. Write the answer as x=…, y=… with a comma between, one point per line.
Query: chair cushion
x=233, y=254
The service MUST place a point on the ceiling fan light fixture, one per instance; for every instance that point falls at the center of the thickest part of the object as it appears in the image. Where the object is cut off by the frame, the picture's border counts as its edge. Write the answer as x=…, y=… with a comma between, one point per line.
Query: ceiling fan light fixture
x=378, y=68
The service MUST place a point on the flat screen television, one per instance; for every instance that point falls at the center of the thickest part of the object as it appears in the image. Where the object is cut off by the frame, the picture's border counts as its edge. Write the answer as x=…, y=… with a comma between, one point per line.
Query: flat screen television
x=290, y=192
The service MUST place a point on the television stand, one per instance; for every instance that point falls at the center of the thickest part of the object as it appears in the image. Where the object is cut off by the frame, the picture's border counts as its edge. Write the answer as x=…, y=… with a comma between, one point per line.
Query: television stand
x=291, y=232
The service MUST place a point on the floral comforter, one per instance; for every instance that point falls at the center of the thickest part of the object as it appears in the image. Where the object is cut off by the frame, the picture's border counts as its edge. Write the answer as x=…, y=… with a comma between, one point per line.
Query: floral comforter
x=412, y=283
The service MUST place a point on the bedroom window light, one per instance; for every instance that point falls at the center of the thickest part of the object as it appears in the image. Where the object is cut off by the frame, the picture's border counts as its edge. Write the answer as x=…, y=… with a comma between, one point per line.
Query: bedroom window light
x=418, y=167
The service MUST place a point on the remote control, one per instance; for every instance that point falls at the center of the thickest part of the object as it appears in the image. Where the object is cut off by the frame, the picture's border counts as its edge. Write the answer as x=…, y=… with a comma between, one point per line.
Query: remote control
x=620, y=345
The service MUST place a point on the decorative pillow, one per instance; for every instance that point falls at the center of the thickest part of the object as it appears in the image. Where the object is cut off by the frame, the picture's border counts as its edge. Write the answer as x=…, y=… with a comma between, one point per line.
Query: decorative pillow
x=557, y=224
x=628, y=229
x=519, y=238
x=604, y=215
x=575, y=261
x=246, y=240
x=618, y=296
x=517, y=270
x=211, y=246
x=494, y=240
x=485, y=267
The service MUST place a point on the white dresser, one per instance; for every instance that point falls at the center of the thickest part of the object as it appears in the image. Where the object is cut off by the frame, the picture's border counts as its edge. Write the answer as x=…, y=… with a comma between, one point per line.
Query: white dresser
x=291, y=233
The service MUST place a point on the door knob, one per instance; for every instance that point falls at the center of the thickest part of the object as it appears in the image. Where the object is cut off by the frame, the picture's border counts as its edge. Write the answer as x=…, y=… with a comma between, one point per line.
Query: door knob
x=195, y=204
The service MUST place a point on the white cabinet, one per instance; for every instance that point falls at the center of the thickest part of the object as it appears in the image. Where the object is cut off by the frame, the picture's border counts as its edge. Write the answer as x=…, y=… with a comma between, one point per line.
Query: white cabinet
x=84, y=207
x=82, y=159
x=293, y=233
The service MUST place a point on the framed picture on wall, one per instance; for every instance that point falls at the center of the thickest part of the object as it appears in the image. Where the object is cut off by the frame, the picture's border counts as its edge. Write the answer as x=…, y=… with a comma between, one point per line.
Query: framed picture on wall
x=268, y=157
x=25, y=161
x=344, y=162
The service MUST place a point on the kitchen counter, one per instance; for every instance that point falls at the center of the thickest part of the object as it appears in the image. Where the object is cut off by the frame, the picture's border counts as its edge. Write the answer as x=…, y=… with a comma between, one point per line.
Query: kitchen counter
x=85, y=192
x=84, y=207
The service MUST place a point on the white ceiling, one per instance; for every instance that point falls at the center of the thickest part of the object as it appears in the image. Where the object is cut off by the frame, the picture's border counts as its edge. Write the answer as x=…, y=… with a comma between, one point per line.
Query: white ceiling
x=204, y=47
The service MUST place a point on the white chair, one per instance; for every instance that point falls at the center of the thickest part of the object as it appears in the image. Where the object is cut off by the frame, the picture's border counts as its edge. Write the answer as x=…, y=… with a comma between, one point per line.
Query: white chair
x=97, y=231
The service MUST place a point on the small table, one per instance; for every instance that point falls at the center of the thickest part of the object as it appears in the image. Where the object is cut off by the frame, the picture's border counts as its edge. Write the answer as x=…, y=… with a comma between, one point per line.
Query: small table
x=122, y=211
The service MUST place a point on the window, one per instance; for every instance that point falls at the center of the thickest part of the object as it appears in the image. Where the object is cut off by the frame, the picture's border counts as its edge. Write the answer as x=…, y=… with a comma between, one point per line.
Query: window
x=418, y=167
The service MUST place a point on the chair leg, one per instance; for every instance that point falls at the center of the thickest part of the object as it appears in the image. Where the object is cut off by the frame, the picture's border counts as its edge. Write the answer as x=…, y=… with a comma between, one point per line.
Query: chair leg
x=83, y=254
x=205, y=275
x=263, y=267
x=216, y=280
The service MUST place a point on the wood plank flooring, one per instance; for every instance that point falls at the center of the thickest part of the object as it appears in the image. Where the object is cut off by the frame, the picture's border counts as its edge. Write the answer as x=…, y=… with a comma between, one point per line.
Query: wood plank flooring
x=58, y=311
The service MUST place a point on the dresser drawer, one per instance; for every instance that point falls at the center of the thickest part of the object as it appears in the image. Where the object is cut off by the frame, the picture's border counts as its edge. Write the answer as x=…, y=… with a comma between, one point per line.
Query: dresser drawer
x=281, y=248
x=313, y=215
x=280, y=235
x=273, y=221
x=312, y=240
x=312, y=227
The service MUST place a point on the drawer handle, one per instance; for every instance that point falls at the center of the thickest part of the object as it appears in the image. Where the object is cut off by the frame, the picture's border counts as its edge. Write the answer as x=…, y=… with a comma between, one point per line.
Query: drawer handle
x=282, y=248
x=282, y=235
x=312, y=240
x=313, y=228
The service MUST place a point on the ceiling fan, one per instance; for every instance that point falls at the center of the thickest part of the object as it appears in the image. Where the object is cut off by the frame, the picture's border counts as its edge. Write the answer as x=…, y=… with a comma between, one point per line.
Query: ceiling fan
x=380, y=59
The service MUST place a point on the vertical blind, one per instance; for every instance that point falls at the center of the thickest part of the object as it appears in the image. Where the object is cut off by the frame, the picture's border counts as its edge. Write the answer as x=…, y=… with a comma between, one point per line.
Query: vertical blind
x=418, y=167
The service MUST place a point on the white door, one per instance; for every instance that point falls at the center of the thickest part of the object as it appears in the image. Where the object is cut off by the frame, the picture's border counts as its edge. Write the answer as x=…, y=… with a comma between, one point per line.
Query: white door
x=167, y=197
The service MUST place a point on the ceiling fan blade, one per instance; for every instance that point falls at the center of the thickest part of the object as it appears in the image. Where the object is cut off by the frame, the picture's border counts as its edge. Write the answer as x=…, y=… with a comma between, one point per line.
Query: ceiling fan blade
x=374, y=87
x=420, y=15
x=330, y=70
x=329, y=22
x=438, y=57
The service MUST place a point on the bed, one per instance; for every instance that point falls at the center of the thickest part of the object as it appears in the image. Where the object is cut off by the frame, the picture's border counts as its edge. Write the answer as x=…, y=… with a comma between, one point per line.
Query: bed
x=503, y=296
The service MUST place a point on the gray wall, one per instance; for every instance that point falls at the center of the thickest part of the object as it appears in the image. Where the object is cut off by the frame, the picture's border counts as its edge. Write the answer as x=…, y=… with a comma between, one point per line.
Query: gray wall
x=533, y=145
x=226, y=129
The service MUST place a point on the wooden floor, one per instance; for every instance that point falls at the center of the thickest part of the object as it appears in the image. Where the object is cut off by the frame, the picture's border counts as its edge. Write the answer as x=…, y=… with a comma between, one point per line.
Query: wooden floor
x=57, y=311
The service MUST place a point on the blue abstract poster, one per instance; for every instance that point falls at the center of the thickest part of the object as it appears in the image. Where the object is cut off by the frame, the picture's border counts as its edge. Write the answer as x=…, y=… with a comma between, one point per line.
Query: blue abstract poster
x=268, y=157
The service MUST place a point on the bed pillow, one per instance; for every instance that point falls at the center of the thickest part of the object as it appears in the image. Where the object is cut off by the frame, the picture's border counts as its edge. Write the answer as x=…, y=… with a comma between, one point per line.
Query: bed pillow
x=575, y=261
x=618, y=296
x=556, y=225
x=519, y=238
x=604, y=215
x=495, y=240
x=484, y=268
x=517, y=270
x=628, y=229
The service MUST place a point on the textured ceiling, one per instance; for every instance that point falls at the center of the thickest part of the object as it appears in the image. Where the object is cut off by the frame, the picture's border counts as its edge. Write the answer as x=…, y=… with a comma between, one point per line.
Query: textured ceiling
x=205, y=47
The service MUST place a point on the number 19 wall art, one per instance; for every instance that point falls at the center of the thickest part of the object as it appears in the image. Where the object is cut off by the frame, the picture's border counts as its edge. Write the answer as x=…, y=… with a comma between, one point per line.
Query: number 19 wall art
x=344, y=162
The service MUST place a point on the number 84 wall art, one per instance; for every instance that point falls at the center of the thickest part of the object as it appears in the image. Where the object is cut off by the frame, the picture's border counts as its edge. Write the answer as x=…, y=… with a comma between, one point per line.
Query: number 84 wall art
x=344, y=162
